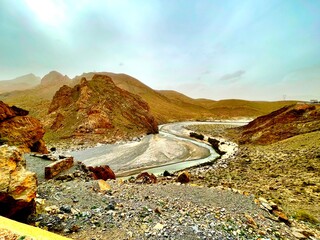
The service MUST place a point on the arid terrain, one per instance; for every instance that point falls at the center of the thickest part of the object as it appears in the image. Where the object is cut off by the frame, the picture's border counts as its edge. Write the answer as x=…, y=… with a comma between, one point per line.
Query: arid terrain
x=265, y=184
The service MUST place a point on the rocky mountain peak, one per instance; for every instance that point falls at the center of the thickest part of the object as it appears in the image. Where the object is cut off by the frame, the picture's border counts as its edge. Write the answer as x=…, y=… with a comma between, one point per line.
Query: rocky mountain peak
x=54, y=78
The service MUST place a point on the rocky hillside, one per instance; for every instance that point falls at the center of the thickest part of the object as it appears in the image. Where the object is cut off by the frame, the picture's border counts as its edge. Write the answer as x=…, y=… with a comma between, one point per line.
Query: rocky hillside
x=281, y=124
x=20, y=83
x=163, y=108
x=166, y=106
x=286, y=172
x=18, y=129
x=98, y=110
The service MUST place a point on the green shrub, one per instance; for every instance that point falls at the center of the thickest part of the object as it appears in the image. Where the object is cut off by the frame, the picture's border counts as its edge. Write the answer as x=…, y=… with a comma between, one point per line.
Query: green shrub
x=305, y=216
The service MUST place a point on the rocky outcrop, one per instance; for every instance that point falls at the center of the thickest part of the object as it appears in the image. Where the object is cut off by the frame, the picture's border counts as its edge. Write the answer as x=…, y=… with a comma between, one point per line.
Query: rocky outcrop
x=98, y=110
x=281, y=124
x=18, y=129
x=17, y=185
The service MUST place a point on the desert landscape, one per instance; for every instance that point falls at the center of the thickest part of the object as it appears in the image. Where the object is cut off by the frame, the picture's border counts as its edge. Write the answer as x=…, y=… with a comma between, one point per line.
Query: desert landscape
x=161, y=121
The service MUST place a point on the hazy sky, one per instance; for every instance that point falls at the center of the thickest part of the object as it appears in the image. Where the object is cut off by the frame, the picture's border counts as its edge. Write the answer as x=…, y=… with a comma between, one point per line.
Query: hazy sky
x=249, y=49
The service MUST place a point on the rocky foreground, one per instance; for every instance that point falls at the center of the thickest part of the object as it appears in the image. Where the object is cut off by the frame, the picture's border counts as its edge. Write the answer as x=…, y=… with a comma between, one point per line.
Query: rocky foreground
x=86, y=209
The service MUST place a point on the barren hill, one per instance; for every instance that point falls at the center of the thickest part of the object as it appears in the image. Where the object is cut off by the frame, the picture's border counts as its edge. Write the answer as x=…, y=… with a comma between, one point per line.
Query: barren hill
x=281, y=124
x=37, y=99
x=166, y=106
x=54, y=78
x=98, y=110
x=162, y=107
x=20, y=83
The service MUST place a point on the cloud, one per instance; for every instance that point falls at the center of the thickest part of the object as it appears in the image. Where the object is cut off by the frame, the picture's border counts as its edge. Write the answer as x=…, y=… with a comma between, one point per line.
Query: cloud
x=232, y=77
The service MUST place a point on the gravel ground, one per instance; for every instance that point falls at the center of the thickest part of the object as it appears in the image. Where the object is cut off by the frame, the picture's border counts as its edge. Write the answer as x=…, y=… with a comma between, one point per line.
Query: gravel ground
x=167, y=210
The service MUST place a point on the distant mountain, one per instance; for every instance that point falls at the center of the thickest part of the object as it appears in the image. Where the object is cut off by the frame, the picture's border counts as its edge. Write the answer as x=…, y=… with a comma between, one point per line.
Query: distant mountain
x=165, y=106
x=284, y=123
x=20, y=83
x=55, y=78
x=38, y=98
x=98, y=110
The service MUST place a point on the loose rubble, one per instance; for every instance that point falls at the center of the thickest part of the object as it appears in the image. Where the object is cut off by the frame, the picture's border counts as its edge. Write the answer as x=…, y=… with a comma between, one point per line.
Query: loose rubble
x=81, y=210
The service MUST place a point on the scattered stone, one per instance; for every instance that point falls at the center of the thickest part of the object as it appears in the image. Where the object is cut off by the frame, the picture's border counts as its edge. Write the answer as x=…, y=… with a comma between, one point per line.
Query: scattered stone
x=167, y=174
x=52, y=209
x=250, y=220
x=184, y=177
x=57, y=167
x=66, y=208
x=102, y=172
x=111, y=205
x=298, y=235
x=158, y=226
x=281, y=215
x=103, y=186
x=146, y=178
x=53, y=149
x=158, y=210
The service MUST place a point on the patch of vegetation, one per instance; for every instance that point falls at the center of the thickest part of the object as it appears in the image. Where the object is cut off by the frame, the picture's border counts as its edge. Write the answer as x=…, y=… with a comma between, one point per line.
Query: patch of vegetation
x=305, y=216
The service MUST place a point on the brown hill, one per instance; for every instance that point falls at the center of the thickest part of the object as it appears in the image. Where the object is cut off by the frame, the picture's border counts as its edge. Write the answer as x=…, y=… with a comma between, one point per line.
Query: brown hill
x=282, y=124
x=98, y=110
x=20, y=83
x=242, y=108
x=37, y=99
x=18, y=129
x=162, y=107
x=165, y=106
x=55, y=78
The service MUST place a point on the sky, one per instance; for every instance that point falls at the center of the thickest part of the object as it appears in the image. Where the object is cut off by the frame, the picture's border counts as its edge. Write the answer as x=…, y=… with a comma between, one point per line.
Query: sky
x=245, y=49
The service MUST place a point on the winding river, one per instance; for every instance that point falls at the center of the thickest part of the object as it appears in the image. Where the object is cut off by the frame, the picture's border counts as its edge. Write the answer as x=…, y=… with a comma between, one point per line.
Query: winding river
x=170, y=150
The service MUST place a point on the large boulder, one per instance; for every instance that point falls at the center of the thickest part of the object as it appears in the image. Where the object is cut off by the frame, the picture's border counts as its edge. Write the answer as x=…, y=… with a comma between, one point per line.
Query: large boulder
x=18, y=129
x=18, y=186
x=102, y=172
